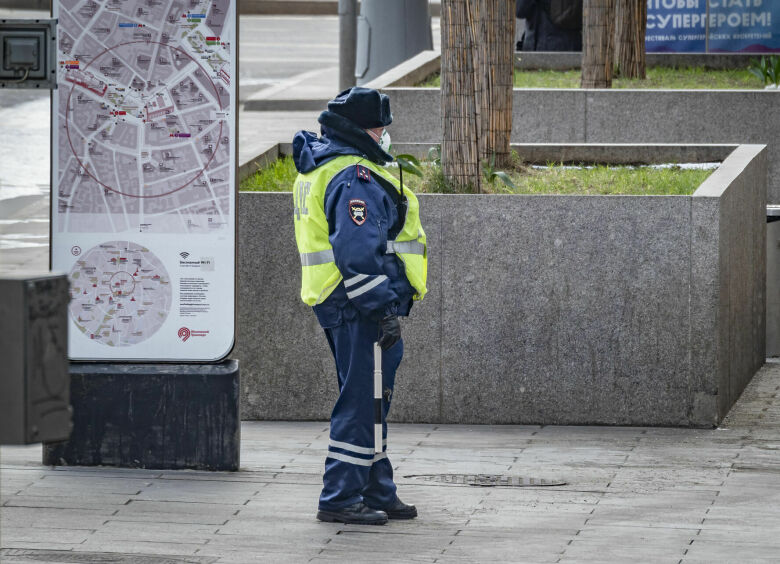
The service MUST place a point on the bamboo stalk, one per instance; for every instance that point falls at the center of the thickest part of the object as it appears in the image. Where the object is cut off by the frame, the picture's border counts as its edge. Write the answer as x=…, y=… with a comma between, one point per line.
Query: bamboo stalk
x=476, y=86
x=630, y=38
x=598, y=17
x=460, y=157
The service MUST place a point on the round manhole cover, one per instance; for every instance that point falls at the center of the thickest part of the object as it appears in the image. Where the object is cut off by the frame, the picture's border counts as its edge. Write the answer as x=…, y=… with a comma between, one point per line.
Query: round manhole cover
x=487, y=480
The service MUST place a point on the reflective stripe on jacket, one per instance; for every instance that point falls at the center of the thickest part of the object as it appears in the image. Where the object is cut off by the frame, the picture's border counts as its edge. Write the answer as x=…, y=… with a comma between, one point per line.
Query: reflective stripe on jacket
x=366, y=282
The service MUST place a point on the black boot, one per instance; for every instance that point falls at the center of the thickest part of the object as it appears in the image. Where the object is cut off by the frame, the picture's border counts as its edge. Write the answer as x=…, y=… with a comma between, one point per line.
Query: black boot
x=356, y=514
x=399, y=510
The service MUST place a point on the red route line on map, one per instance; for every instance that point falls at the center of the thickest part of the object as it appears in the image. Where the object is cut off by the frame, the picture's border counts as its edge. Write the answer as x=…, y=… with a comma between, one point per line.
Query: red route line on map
x=70, y=142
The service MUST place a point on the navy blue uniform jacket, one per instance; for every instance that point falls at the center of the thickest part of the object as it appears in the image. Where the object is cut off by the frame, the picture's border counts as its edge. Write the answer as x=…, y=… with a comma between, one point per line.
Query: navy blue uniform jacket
x=374, y=283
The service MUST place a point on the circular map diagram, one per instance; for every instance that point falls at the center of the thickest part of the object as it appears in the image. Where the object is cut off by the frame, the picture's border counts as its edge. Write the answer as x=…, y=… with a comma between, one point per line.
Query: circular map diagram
x=120, y=293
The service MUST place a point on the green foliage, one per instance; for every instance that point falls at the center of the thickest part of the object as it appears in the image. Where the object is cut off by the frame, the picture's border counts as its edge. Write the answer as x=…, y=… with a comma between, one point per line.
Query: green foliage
x=276, y=177
x=490, y=173
x=410, y=164
x=433, y=182
x=767, y=69
x=657, y=77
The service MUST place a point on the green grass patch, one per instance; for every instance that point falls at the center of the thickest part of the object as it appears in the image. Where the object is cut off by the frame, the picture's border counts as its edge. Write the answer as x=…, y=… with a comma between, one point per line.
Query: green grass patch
x=657, y=77
x=276, y=177
x=551, y=179
x=588, y=180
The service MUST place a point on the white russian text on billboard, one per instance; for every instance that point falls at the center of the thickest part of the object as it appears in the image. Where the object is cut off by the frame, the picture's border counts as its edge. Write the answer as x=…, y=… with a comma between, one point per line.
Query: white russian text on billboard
x=682, y=26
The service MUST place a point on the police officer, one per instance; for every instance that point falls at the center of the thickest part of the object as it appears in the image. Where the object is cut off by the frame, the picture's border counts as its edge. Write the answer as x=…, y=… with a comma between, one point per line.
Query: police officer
x=363, y=262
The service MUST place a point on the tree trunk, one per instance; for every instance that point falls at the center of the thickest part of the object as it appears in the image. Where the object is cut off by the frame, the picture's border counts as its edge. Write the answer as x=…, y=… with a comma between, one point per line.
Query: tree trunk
x=460, y=144
x=598, y=34
x=477, y=72
x=495, y=74
x=630, y=38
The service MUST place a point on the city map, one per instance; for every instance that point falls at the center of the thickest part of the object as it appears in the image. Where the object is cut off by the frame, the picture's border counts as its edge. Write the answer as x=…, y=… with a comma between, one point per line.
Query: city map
x=143, y=139
x=143, y=159
x=120, y=293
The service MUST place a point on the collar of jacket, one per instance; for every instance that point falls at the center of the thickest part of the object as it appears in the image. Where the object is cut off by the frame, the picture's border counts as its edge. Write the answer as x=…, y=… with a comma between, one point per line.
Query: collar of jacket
x=347, y=131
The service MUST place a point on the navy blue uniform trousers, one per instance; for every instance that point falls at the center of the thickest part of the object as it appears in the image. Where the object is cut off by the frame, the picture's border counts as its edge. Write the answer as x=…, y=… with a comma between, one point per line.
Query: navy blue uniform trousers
x=353, y=472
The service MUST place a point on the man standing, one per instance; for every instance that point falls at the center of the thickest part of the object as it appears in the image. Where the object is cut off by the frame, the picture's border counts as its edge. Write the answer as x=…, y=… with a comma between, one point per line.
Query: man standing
x=551, y=25
x=364, y=260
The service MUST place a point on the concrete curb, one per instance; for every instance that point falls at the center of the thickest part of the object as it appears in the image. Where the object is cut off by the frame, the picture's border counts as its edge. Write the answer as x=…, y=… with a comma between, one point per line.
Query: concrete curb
x=304, y=7
x=289, y=7
x=264, y=158
x=420, y=67
x=410, y=72
x=285, y=105
x=246, y=7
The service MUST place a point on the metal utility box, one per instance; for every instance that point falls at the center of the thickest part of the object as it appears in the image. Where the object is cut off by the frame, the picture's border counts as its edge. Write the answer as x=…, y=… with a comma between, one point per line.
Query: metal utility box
x=27, y=48
x=773, y=281
x=34, y=378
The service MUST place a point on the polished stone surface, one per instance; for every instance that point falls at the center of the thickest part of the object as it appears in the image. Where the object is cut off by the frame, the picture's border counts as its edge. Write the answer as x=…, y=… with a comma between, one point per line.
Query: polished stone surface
x=626, y=310
x=735, y=271
x=287, y=369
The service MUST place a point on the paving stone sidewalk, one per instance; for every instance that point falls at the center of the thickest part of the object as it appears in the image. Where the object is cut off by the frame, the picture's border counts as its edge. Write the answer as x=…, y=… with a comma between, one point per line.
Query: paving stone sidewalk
x=642, y=494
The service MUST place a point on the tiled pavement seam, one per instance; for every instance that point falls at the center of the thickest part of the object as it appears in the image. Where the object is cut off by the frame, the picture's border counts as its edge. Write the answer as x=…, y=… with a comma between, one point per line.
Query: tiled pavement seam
x=647, y=494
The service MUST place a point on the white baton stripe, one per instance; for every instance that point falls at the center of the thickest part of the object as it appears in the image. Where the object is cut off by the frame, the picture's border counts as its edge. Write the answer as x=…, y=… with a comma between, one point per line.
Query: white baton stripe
x=354, y=280
x=366, y=287
x=358, y=461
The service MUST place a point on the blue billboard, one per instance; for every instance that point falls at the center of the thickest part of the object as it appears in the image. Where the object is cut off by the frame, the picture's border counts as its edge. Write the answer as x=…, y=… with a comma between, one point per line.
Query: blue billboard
x=724, y=26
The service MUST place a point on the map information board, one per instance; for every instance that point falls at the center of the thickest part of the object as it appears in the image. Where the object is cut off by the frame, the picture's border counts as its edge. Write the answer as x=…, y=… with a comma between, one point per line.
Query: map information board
x=143, y=176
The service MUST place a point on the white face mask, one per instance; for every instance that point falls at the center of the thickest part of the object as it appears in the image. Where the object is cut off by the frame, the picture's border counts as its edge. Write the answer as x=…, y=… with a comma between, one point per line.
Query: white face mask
x=383, y=141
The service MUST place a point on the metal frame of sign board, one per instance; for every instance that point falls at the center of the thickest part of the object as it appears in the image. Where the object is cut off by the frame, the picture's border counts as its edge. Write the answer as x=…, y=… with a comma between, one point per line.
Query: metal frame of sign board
x=198, y=336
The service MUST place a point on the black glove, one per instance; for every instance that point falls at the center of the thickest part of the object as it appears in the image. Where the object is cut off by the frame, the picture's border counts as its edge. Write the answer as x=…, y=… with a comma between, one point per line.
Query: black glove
x=391, y=332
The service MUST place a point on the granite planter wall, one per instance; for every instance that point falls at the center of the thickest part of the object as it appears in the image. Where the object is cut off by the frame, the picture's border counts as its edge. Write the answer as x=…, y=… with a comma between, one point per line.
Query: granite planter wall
x=625, y=310
x=616, y=116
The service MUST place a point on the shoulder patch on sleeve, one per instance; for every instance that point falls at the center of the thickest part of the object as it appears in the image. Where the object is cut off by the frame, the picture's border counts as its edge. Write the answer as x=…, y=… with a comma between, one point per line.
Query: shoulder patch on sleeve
x=358, y=211
x=363, y=173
